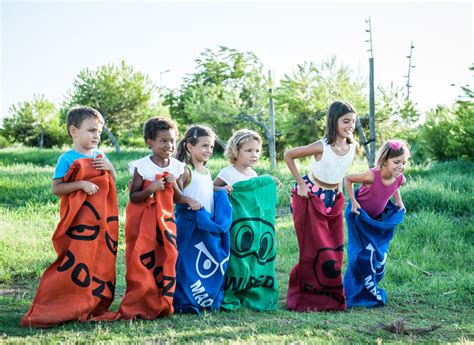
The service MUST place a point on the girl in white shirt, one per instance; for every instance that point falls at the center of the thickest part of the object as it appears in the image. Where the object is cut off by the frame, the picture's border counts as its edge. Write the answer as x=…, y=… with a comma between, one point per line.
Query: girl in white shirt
x=242, y=151
x=194, y=150
x=331, y=156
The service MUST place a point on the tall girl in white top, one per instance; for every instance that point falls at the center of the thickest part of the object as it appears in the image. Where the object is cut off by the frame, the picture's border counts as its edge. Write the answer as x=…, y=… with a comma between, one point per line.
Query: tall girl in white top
x=195, y=149
x=331, y=156
x=242, y=151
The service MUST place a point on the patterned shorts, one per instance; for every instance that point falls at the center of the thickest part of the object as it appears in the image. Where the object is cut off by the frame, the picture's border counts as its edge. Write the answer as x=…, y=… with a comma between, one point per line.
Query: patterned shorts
x=327, y=195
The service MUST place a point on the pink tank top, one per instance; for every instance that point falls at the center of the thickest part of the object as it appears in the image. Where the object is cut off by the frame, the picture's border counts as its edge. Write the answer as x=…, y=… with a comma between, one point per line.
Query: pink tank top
x=373, y=199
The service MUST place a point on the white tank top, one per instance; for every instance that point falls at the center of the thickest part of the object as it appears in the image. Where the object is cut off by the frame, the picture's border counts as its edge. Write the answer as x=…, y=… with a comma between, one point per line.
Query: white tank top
x=331, y=168
x=201, y=188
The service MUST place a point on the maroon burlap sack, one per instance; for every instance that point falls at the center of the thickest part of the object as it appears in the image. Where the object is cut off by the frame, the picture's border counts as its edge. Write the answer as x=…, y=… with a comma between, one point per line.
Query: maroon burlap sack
x=316, y=280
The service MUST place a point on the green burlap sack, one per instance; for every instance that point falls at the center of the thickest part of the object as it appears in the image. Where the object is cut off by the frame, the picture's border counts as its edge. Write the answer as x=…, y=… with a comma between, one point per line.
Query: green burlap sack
x=250, y=279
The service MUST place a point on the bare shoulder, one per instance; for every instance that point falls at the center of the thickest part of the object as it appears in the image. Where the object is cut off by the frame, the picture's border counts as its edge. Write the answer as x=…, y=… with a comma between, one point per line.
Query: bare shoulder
x=312, y=149
x=365, y=177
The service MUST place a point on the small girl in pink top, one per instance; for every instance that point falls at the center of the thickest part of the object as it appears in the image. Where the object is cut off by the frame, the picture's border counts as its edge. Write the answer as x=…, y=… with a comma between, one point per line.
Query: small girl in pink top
x=379, y=184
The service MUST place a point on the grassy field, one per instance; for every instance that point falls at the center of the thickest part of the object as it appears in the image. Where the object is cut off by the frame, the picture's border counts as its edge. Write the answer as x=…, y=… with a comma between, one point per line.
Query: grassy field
x=429, y=277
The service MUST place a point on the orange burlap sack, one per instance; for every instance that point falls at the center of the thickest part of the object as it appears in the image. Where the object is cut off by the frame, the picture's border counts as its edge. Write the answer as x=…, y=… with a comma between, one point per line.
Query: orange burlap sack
x=151, y=253
x=80, y=284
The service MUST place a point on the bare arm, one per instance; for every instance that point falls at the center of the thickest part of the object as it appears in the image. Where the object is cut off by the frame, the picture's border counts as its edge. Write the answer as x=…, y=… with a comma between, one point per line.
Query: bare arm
x=138, y=194
x=184, y=178
x=220, y=184
x=366, y=178
x=398, y=197
x=59, y=187
x=314, y=149
x=178, y=197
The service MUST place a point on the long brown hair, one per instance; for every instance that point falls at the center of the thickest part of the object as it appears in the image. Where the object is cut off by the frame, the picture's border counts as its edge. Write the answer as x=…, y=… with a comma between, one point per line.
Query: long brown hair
x=335, y=111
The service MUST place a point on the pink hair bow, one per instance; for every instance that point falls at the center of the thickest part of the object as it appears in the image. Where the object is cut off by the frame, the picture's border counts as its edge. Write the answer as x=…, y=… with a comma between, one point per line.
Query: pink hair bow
x=395, y=144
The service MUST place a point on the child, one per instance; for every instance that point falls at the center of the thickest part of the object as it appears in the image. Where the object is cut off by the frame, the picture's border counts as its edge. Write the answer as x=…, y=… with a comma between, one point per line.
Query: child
x=380, y=183
x=150, y=230
x=371, y=219
x=203, y=234
x=317, y=203
x=250, y=279
x=80, y=284
x=194, y=150
x=242, y=151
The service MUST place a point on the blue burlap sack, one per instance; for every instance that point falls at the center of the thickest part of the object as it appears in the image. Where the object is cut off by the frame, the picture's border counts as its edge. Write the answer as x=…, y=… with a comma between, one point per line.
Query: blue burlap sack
x=203, y=254
x=368, y=242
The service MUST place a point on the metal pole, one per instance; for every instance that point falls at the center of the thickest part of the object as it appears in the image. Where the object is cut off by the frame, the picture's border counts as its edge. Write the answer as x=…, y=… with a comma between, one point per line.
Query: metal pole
x=409, y=69
x=371, y=156
x=372, y=113
x=271, y=143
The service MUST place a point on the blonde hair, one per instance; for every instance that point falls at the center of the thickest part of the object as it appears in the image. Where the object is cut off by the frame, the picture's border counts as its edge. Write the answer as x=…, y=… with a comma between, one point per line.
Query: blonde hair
x=391, y=149
x=236, y=141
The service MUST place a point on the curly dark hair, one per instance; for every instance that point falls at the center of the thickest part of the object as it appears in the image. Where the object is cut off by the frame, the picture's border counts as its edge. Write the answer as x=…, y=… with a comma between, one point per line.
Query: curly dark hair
x=156, y=124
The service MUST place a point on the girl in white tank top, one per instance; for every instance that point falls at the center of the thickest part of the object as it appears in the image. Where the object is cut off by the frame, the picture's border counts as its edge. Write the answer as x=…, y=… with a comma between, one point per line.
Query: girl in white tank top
x=195, y=149
x=331, y=156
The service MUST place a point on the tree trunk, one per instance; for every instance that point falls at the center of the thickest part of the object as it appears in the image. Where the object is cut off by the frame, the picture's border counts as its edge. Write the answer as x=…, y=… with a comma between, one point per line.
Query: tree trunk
x=41, y=139
x=113, y=139
x=364, y=140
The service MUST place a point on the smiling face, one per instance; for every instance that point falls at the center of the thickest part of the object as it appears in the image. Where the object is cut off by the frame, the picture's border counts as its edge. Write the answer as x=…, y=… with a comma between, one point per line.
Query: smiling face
x=395, y=165
x=164, y=144
x=202, y=151
x=249, y=153
x=87, y=136
x=346, y=125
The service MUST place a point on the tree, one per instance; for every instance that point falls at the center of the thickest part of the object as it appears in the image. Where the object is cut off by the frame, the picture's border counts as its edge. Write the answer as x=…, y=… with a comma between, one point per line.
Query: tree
x=449, y=133
x=228, y=87
x=121, y=94
x=302, y=99
x=34, y=123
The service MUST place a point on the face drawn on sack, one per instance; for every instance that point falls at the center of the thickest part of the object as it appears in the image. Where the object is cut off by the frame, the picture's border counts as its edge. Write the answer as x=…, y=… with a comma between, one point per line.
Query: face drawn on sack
x=111, y=244
x=327, y=267
x=206, y=265
x=85, y=232
x=109, y=241
x=377, y=267
x=253, y=237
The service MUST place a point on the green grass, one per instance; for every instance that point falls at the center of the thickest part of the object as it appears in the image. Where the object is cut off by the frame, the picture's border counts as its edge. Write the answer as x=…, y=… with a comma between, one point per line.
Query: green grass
x=436, y=237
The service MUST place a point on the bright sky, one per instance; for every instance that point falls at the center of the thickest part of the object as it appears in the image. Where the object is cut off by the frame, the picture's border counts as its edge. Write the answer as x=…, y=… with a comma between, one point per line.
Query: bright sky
x=44, y=45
